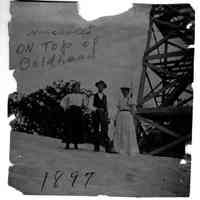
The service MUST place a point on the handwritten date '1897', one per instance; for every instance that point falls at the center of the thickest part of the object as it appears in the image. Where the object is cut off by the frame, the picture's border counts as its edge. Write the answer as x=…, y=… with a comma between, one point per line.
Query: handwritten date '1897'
x=74, y=177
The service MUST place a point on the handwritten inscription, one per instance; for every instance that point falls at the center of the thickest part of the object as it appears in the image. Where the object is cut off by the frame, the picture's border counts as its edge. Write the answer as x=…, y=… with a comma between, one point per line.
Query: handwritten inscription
x=62, y=31
x=54, y=53
x=60, y=176
x=40, y=49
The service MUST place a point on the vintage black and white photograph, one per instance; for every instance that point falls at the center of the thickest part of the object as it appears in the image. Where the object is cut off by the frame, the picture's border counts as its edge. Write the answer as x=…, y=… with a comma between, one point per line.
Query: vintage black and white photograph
x=102, y=107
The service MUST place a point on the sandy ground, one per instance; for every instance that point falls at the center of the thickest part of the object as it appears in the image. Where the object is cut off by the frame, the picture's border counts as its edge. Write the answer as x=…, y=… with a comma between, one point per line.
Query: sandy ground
x=84, y=172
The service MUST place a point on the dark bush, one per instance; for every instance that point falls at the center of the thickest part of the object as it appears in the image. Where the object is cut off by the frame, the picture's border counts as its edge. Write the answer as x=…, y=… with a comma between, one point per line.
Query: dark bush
x=40, y=112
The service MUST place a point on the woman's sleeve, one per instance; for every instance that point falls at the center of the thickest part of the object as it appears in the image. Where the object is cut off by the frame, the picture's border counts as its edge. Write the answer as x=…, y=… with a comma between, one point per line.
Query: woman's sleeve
x=132, y=104
x=64, y=102
x=119, y=104
x=131, y=101
x=90, y=104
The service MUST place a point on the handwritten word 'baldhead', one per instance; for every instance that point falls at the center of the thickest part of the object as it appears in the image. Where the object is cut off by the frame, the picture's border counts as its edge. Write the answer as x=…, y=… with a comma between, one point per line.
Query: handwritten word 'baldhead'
x=51, y=53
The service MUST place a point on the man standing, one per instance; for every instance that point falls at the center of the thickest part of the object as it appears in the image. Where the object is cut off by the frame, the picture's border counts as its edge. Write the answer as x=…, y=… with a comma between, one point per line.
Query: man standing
x=101, y=118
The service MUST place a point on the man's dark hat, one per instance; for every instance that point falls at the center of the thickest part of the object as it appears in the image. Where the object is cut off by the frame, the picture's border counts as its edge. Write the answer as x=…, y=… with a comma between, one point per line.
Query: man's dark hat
x=101, y=83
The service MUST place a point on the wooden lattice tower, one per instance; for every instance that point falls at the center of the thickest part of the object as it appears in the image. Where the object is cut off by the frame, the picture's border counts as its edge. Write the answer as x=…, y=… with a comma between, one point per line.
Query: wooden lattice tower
x=164, y=104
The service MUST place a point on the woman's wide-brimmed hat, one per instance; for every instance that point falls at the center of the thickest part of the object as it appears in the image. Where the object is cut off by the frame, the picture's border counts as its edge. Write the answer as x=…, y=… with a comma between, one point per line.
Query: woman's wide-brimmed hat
x=125, y=87
x=97, y=84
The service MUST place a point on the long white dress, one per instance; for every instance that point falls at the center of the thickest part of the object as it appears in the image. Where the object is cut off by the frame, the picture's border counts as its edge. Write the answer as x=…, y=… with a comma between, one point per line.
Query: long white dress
x=125, y=141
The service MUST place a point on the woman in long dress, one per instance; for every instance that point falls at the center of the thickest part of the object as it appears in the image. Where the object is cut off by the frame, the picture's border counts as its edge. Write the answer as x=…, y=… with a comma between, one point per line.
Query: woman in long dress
x=72, y=104
x=125, y=141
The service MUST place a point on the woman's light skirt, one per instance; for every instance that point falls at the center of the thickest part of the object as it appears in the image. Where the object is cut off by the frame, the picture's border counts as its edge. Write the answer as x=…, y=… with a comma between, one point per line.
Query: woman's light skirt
x=125, y=141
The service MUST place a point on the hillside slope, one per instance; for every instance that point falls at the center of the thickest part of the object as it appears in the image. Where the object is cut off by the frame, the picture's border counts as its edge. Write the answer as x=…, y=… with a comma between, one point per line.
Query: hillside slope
x=70, y=172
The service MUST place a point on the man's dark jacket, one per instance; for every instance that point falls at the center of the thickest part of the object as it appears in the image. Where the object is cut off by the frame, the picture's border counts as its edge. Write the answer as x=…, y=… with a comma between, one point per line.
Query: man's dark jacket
x=100, y=103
